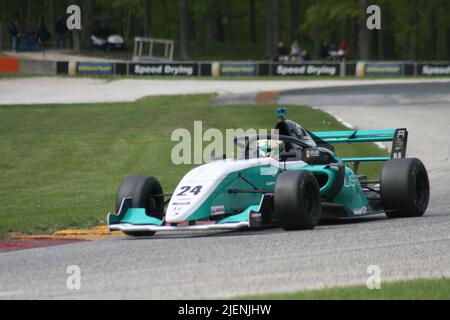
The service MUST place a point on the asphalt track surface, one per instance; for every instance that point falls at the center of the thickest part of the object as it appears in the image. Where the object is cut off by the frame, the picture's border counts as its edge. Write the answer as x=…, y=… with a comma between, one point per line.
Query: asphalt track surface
x=225, y=264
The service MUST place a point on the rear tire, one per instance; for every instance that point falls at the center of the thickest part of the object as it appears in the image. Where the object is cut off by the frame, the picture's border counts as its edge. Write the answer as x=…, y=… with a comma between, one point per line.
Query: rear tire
x=297, y=200
x=405, y=188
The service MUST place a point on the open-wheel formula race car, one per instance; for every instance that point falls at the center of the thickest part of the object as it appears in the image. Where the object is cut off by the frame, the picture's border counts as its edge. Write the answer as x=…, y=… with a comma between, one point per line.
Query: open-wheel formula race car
x=293, y=188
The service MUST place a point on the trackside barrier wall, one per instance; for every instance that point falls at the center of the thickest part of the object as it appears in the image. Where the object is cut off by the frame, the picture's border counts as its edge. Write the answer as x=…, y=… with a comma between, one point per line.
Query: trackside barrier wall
x=37, y=67
x=9, y=65
x=217, y=69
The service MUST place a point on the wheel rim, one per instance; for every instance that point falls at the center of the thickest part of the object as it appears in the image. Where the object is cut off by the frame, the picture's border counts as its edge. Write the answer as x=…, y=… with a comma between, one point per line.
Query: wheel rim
x=309, y=202
x=421, y=191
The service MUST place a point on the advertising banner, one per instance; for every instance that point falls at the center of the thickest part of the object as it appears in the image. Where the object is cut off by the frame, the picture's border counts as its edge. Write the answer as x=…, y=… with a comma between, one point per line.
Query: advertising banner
x=62, y=67
x=163, y=69
x=94, y=68
x=378, y=69
x=235, y=69
x=120, y=68
x=72, y=68
x=9, y=65
x=306, y=69
x=205, y=69
x=434, y=69
x=264, y=69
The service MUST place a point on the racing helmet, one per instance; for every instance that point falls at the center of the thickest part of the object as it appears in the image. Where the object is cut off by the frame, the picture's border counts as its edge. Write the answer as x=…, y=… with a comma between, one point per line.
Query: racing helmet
x=270, y=148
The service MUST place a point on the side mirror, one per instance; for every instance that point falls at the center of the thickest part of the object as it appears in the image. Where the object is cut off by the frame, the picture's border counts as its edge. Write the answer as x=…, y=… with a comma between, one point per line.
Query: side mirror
x=286, y=155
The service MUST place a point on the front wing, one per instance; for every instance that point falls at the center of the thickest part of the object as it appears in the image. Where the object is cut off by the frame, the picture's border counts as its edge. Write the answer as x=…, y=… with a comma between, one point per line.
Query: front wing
x=130, y=219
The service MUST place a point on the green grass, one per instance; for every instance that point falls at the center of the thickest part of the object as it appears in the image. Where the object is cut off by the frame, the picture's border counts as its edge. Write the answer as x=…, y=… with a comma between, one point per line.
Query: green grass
x=421, y=289
x=61, y=164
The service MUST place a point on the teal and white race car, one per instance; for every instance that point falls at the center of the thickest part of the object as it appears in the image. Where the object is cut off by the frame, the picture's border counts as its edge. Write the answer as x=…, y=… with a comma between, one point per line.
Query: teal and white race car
x=290, y=180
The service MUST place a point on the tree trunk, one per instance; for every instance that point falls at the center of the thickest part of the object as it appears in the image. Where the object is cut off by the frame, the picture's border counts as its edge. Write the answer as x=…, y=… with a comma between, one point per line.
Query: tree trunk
x=184, y=32
x=272, y=26
x=147, y=17
x=166, y=22
x=276, y=22
x=76, y=45
x=209, y=19
x=3, y=25
x=230, y=33
x=86, y=16
x=380, y=44
x=252, y=22
x=295, y=19
x=363, y=32
x=76, y=41
x=29, y=23
x=269, y=44
x=51, y=14
x=129, y=23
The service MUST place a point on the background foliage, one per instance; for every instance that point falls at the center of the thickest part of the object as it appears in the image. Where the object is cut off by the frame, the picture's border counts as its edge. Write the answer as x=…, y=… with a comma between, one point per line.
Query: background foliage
x=250, y=29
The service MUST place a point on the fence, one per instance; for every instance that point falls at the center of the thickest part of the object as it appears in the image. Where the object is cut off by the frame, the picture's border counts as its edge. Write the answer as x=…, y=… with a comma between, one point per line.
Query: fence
x=217, y=69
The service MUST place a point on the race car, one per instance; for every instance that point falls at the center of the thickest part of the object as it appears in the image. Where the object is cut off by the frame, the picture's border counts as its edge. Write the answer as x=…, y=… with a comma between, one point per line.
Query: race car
x=291, y=179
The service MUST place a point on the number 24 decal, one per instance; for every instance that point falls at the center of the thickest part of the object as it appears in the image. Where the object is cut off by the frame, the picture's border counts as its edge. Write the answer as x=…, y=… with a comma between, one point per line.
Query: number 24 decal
x=196, y=190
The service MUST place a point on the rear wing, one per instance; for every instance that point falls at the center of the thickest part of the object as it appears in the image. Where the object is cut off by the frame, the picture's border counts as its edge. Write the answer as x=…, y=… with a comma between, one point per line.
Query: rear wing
x=398, y=137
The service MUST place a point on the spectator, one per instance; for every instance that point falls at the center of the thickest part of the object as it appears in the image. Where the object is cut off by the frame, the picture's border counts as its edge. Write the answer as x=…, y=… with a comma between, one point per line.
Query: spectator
x=324, y=51
x=295, y=51
x=281, y=53
x=343, y=47
x=14, y=31
x=305, y=55
x=43, y=35
x=333, y=53
x=60, y=34
x=30, y=40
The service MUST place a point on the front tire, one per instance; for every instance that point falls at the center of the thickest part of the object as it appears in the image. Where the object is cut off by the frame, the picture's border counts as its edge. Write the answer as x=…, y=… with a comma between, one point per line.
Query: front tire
x=146, y=193
x=405, y=188
x=297, y=200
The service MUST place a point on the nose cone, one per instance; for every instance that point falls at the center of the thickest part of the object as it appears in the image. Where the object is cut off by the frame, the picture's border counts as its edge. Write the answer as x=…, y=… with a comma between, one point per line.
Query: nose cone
x=195, y=189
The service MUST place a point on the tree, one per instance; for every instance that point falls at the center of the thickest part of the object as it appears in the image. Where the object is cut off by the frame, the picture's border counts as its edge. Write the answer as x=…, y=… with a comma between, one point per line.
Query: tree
x=87, y=18
x=184, y=26
x=295, y=18
x=210, y=13
x=51, y=14
x=29, y=14
x=252, y=21
x=363, y=32
x=3, y=24
x=272, y=26
x=147, y=17
x=229, y=16
x=76, y=46
x=129, y=25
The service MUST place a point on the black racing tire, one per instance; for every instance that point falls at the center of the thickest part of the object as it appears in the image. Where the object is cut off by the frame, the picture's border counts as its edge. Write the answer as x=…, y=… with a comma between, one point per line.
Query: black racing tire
x=404, y=188
x=297, y=200
x=146, y=192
